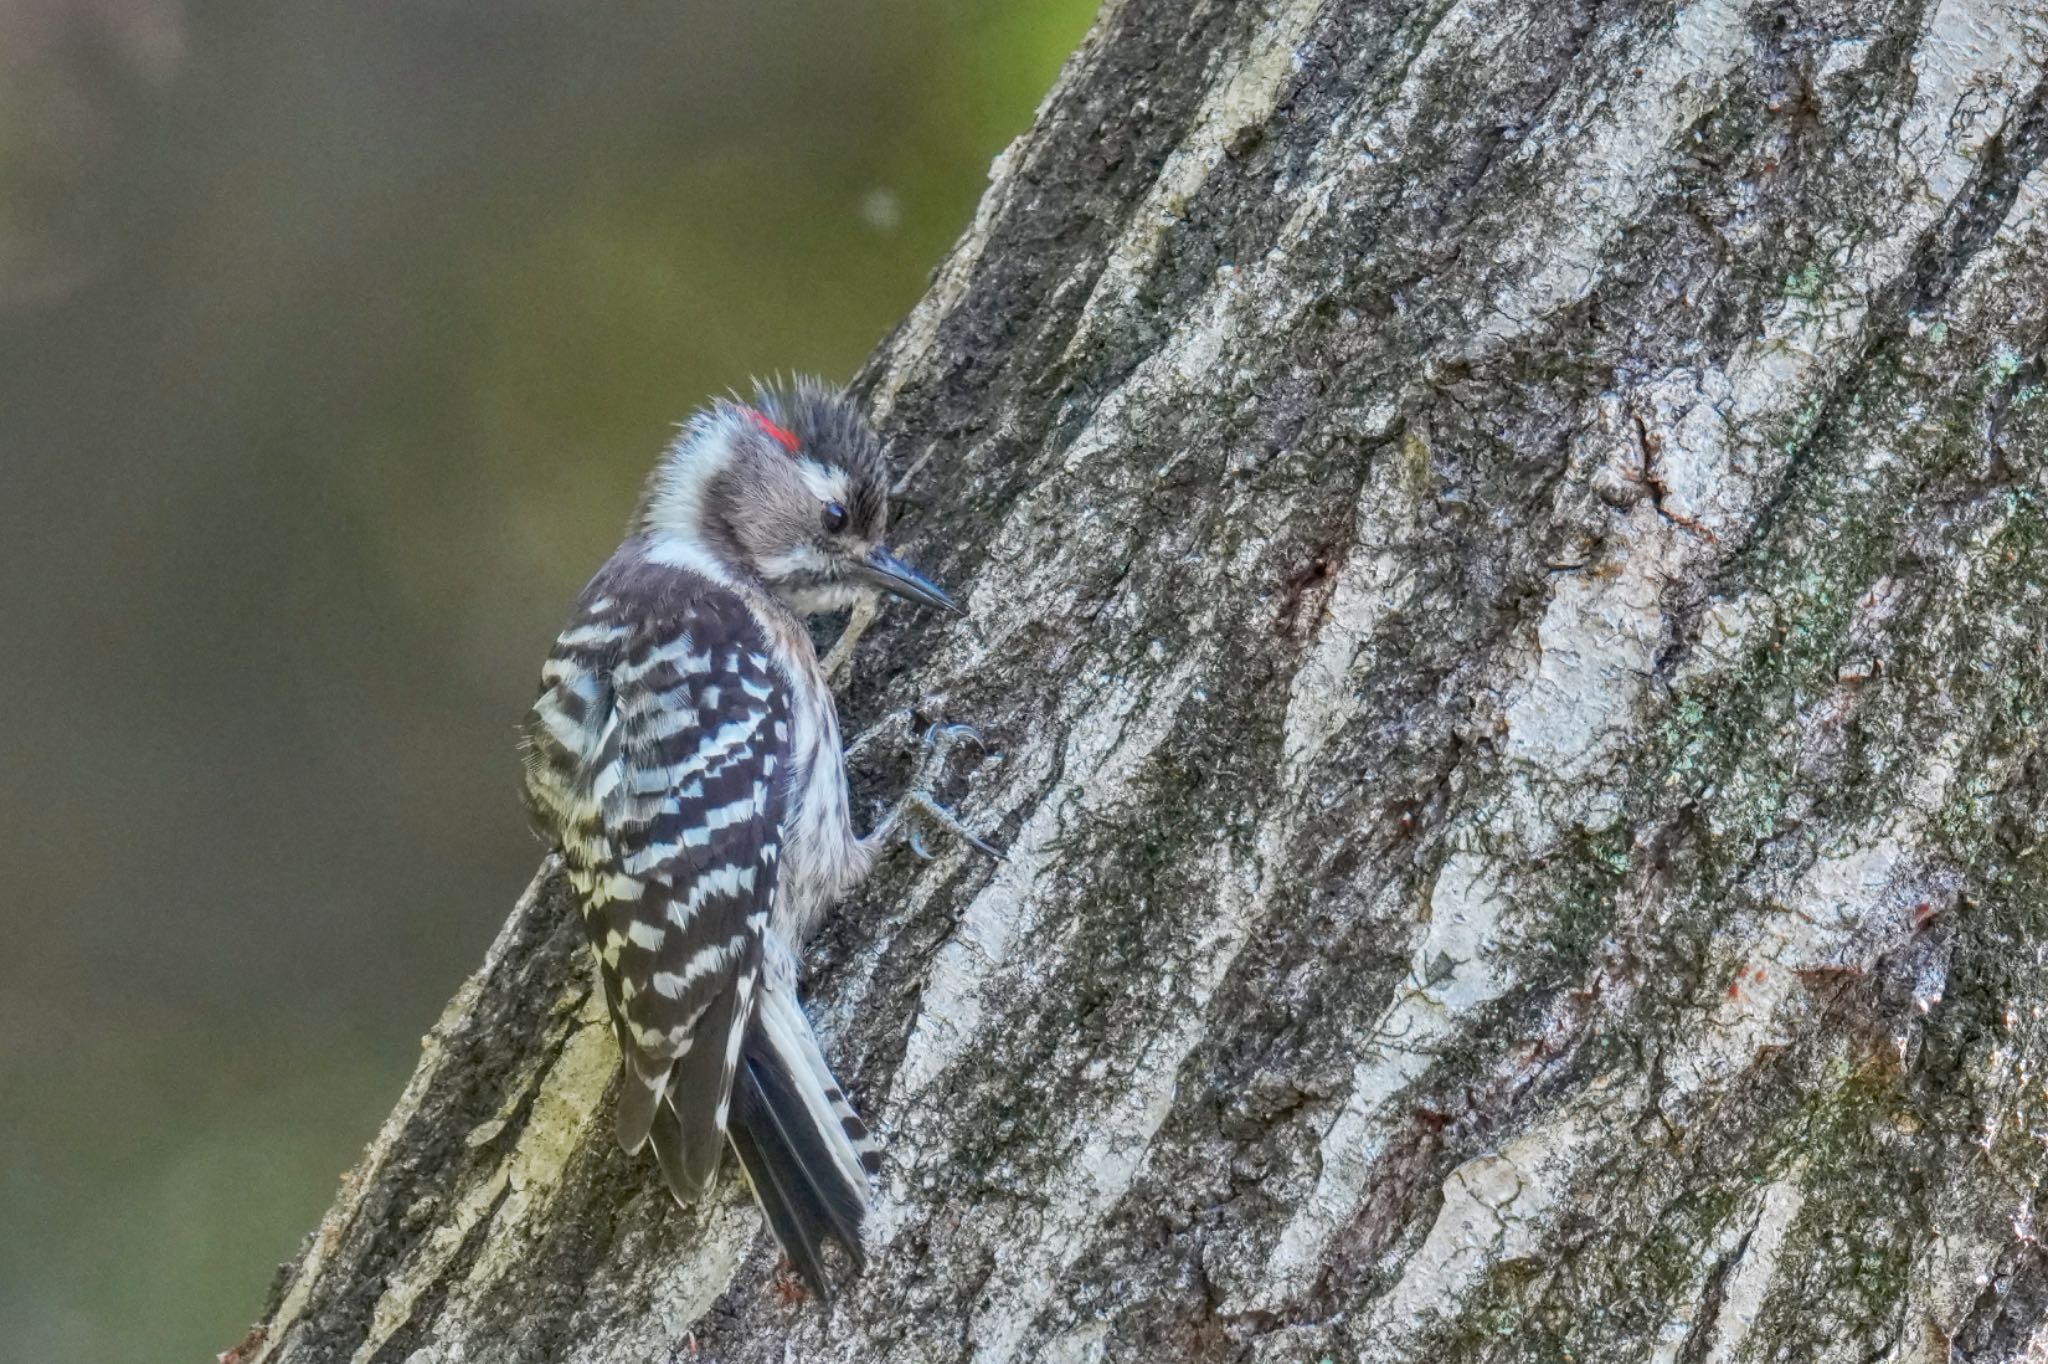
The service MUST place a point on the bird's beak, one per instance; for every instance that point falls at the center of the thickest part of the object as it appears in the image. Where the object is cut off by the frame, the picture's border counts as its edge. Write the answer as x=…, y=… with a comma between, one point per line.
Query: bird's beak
x=891, y=574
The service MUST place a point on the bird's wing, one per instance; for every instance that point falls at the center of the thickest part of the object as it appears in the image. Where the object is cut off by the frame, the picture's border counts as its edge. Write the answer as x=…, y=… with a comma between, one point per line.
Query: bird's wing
x=671, y=831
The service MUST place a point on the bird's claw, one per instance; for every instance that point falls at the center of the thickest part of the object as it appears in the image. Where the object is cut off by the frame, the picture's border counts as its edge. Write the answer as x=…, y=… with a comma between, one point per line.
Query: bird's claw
x=938, y=741
x=940, y=738
x=950, y=822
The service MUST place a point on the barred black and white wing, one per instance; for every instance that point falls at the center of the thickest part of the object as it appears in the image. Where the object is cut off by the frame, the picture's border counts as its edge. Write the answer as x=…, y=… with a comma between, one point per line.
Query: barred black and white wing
x=657, y=755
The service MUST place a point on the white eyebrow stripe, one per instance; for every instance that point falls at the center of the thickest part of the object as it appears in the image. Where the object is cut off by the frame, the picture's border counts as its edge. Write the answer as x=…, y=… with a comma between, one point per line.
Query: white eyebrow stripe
x=826, y=483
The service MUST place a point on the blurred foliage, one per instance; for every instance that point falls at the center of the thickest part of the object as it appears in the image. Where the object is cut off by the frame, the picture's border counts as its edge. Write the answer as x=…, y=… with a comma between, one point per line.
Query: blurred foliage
x=335, y=341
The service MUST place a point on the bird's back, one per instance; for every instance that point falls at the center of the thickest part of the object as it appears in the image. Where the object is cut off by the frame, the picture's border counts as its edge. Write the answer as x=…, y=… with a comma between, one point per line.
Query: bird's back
x=679, y=725
x=655, y=756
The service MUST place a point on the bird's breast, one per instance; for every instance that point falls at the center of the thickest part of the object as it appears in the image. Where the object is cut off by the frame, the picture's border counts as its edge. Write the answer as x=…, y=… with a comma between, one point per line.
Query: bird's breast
x=824, y=856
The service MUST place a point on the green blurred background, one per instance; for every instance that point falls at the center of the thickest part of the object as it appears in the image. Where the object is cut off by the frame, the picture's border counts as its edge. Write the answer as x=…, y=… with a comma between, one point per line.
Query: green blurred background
x=335, y=340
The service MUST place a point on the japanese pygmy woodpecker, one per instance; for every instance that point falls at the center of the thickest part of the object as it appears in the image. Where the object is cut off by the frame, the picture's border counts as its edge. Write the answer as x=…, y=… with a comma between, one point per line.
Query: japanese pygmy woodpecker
x=685, y=755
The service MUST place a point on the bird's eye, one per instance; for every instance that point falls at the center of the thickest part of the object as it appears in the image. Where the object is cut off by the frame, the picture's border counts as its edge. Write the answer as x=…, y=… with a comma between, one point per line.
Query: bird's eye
x=835, y=518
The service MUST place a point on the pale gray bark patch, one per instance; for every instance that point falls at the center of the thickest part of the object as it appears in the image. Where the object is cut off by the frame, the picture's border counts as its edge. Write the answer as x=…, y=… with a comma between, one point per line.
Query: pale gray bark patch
x=1506, y=551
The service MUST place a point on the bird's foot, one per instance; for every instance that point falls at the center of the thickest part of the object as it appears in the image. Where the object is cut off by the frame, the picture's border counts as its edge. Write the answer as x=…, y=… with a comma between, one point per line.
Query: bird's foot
x=922, y=802
x=857, y=623
x=939, y=742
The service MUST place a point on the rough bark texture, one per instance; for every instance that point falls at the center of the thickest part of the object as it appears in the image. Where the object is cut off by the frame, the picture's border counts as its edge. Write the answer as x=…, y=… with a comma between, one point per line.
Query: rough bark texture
x=1506, y=545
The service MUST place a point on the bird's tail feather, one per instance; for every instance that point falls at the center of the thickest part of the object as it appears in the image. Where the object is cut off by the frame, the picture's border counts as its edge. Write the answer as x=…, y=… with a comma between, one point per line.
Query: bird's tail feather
x=806, y=1154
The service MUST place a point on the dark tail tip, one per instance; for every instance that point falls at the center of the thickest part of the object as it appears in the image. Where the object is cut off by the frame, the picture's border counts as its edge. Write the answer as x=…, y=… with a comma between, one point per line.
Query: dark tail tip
x=800, y=1186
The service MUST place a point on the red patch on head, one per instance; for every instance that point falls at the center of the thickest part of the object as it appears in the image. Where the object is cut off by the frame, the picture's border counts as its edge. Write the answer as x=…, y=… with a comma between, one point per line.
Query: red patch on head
x=783, y=436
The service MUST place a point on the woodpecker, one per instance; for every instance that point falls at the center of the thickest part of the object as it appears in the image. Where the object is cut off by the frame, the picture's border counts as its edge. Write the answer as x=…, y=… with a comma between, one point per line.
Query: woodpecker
x=684, y=754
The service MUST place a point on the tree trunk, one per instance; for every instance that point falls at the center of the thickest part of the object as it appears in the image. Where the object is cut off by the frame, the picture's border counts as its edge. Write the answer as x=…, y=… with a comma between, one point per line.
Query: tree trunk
x=1506, y=548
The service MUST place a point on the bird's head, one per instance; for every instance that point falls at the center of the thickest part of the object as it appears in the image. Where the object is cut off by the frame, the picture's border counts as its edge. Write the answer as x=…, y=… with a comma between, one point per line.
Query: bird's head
x=790, y=491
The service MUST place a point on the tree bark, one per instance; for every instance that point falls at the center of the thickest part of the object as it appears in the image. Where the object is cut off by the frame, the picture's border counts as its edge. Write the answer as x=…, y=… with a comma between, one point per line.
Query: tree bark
x=1506, y=548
